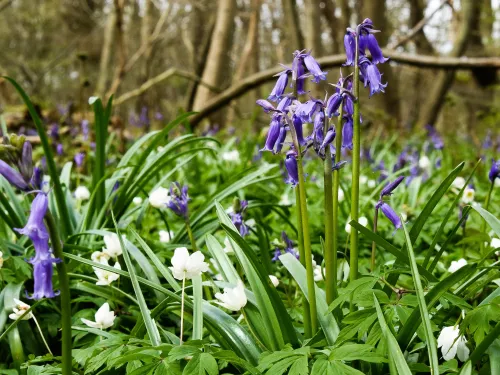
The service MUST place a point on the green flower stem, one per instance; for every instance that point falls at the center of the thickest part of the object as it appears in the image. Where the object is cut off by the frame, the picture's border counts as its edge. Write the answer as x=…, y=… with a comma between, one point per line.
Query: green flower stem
x=191, y=236
x=330, y=265
x=356, y=153
x=41, y=334
x=67, y=367
x=305, y=230
x=335, y=213
x=374, y=245
x=182, y=307
x=302, y=257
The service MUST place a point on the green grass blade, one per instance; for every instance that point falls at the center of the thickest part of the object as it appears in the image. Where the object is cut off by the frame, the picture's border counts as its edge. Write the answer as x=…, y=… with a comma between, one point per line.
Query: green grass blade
x=394, y=351
x=492, y=221
x=485, y=344
x=466, y=368
x=326, y=320
x=197, y=308
x=424, y=312
x=101, y=135
x=63, y=209
x=223, y=262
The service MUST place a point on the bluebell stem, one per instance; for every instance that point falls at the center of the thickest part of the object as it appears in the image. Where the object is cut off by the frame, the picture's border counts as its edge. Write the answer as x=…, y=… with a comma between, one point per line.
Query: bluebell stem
x=13, y=176
x=391, y=186
x=43, y=262
x=389, y=213
x=79, y=158
x=239, y=208
x=280, y=86
x=314, y=68
x=494, y=170
x=292, y=168
x=179, y=200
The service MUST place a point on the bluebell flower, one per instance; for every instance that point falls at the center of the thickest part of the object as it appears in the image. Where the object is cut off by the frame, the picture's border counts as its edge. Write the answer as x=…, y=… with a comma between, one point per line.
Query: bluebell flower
x=280, y=86
x=298, y=71
x=494, y=170
x=276, y=256
x=79, y=158
x=59, y=149
x=273, y=133
x=292, y=168
x=401, y=161
x=371, y=76
x=391, y=186
x=350, y=47
x=332, y=104
x=347, y=133
x=54, y=131
x=179, y=200
x=85, y=129
x=337, y=166
x=25, y=164
x=390, y=214
x=372, y=45
x=436, y=139
x=319, y=125
x=314, y=68
x=297, y=124
x=239, y=208
x=37, y=178
x=12, y=176
x=488, y=141
x=266, y=106
x=306, y=111
x=284, y=103
x=144, y=117
x=43, y=261
x=329, y=137
x=281, y=140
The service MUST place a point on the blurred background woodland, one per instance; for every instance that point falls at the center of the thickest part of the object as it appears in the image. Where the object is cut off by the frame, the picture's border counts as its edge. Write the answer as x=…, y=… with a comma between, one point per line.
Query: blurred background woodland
x=161, y=57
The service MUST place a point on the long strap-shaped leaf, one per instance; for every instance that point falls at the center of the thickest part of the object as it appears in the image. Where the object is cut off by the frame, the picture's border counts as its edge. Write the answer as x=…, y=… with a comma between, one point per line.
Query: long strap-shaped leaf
x=62, y=208
x=424, y=312
x=395, y=354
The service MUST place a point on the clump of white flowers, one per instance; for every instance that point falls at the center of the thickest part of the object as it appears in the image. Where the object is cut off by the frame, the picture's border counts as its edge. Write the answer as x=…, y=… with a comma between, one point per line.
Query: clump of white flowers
x=104, y=318
x=233, y=155
x=185, y=266
x=233, y=299
x=468, y=196
x=19, y=309
x=452, y=344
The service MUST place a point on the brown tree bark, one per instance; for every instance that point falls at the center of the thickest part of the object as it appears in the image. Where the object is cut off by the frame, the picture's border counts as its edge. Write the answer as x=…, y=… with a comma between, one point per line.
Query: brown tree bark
x=216, y=69
x=109, y=31
x=292, y=29
x=333, y=24
x=313, y=37
x=444, y=79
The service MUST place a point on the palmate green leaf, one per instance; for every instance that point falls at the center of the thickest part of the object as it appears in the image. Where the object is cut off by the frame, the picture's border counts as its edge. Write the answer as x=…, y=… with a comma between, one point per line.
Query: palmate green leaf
x=353, y=352
x=325, y=318
x=422, y=218
x=431, y=298
x=277, y=363
x=352, y=289
x=62, y=208
x=201, y=364
x=324, y=367
x=231, y=357
x=424, y=312
x=272, y=309
x=395, y=354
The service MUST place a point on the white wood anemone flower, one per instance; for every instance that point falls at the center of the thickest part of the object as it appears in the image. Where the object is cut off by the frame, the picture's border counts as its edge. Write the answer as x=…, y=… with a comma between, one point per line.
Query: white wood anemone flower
x=106, y=277
x=82, y=193
x=185, y=266
x=104, y=318
x=452, y=344
x=19, y=310
x=160, y=197
x=233, y=299
x=165, y=236
x=457, y=264
x=274, y=280
x=113, y=247
x=1, y=259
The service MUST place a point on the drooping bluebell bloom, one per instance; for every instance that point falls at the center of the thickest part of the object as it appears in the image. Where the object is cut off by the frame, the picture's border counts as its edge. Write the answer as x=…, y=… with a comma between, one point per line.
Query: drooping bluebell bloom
x=372, y=45
x=54, y=131
x=329, y=137
x=289, y=245
x=488, y=141
x=12, y=176
x=389, y=213
x=298, y=71
x=85, y=129
x=292, y=168
x=59, y=149
x=332, y=104
x=371, y=76
x=284, y=103
x=391, y=186
x=347, y=133
x=438, y=163
x=297, y=124
x=276, y=255
x=350, y=47
x=266, y=106
x=281, y=140
x=434, y=136
x=314, y=68
x=307, y=110
x=37, y=178
x=79, y=158
x=337, y=166
x=273, y=133
x=179, y=200
x=144, y=117
x=239, y=208
x=494, y=170
x=42, y=261
x=25, y=164
x=401, y=161
x=319, y=125
x=280, y=86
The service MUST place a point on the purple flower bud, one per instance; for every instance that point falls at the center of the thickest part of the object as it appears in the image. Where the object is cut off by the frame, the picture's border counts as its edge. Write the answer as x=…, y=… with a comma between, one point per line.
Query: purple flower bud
x=319, y=125
x=389, y=213
x=314, y=68
x=279, y=87
x=54, y=131
x=79, y=158
x=347, y=133
x=59, y=149
x=391, y=186
x=329, y=137
x=35, y=227
x=333, y=104
x=375, y=51
x=284, y=103
x=26, y=163
x=281, y=140
x=339, y=165
x=292, y=168
x=277, y=253
x=158, y=116
x=488, y=141
x=179, y=200
x=298, y=71
x=266, y=106
x=436, y=139
x=494, y=170
x=350, y=48
x=144, y=116
x=37, y=178
x=13, y=176
x=272, y=134
x=297, y=124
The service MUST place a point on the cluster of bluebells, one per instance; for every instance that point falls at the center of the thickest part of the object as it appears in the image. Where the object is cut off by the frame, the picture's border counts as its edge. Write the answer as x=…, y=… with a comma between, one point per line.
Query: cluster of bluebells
x=237, y=215
x=290, y=112
x=383, y=206
x=179, y=200
x=285, y=247
x=494, y=171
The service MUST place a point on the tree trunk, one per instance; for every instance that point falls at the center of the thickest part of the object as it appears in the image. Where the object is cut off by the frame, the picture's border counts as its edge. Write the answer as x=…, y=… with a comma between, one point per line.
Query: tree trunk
x=313, y=37
x=333, y=24
x=109, y=32
x=217, y=66
x=142, y=101
x=444, y=79
x=292, y=29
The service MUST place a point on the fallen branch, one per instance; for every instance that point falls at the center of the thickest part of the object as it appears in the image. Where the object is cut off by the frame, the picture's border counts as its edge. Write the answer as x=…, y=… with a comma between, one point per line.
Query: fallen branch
x=429, y=62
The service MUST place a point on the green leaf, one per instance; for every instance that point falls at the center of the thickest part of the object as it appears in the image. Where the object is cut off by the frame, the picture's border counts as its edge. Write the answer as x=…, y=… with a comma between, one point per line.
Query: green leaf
x=201, y=364
x=353, y=352
x=396, y=356
x=325, y=318
x=424, y=312
x=197, y=308
x=492, y=221
x=466, y=368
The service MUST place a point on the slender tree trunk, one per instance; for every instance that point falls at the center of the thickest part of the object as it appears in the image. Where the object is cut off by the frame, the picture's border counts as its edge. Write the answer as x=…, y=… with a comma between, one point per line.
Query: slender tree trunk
x=313, y=36
x=121, y=47
x=444, y=79
x=216, y=69
x=109, y=31
x=142, y=101
x=292, y=29
x=333, y=24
